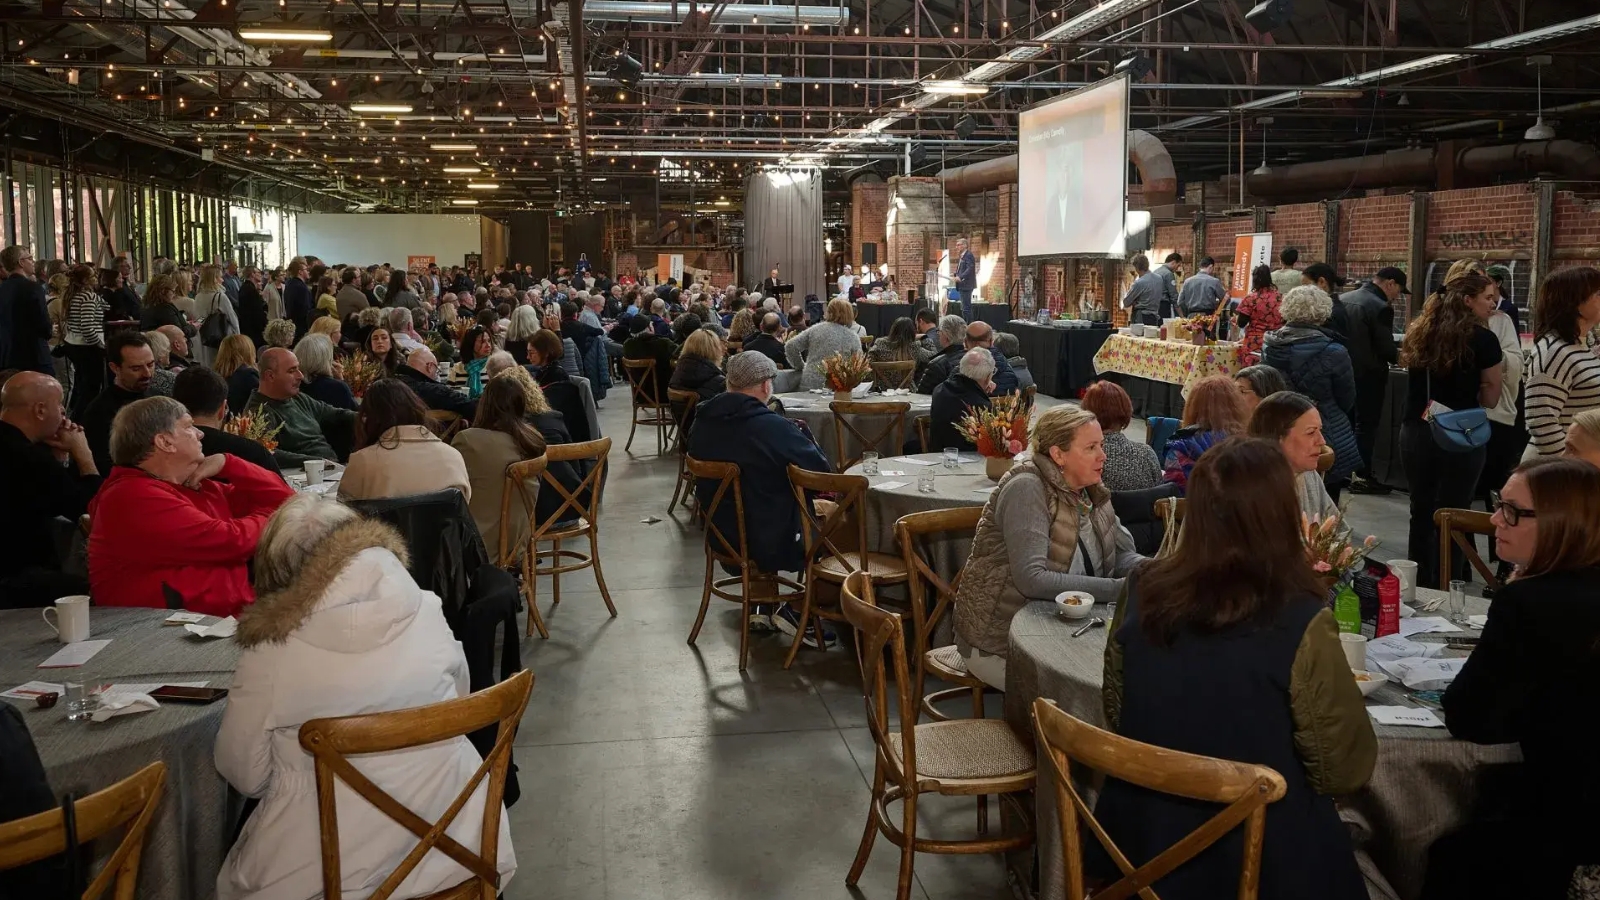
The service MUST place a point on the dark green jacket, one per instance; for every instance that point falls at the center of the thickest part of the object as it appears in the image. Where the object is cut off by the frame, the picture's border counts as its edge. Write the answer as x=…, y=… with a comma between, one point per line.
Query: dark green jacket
x=307, y=426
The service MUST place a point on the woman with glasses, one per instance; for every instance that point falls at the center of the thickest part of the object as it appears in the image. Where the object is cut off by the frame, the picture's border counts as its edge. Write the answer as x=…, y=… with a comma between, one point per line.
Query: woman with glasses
x=1533, y=679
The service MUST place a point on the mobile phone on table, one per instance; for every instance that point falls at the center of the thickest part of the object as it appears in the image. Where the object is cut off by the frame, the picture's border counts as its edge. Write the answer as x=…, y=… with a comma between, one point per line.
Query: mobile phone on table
x=173, y=694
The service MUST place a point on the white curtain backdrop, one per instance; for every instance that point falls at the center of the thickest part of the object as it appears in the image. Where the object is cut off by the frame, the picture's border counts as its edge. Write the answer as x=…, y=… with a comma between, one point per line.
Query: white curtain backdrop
x=783, y=228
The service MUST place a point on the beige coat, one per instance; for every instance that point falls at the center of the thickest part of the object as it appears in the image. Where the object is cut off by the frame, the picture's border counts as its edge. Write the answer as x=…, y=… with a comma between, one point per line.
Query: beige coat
x=487, y=453
x=406, y=460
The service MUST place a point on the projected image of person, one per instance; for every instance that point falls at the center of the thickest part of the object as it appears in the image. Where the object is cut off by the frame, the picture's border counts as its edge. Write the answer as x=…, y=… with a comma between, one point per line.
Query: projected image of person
x=1064, y=192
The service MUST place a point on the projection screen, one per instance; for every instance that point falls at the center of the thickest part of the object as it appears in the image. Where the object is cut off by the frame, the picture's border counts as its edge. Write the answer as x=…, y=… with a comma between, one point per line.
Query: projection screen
x=1072, y=173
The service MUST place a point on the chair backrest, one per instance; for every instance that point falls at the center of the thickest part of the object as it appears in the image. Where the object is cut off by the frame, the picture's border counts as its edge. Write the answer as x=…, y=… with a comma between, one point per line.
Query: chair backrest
x=130, y=802
x=1029, y=394
x=1170, y=511
x=566, y=398
x=522, y=481
x=642, y=383
x=442, y=538
x=924, y=424
x=683, y=404
x=1158, y=431
x=331, y=741
x=574, y=501
x=878, y=420
x=1456, y=527
x=896, y=375
x=721, y=546
x=881, y=654
x=1245, y=789
x=824, y=534
x=1137, y=511
x=908, y=531
x=1325, y=460
x=445, y=423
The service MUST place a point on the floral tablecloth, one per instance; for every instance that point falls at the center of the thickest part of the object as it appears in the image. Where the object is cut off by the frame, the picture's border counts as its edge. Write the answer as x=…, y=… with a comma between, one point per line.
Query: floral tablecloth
x=1173, y=362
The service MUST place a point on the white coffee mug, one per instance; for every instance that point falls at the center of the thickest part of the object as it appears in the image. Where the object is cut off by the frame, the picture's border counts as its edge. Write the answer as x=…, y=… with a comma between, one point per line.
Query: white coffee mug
x=1406, y=571
x=71, y=622
x=1355, y=651
x=314, y=469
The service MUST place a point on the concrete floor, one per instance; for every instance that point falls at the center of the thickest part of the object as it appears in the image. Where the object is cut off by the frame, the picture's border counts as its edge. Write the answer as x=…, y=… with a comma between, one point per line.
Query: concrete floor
x=652, y=769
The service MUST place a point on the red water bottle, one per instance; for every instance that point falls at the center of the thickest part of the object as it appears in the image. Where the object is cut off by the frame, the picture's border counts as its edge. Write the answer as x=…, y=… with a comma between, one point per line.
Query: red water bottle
x=1388, y=605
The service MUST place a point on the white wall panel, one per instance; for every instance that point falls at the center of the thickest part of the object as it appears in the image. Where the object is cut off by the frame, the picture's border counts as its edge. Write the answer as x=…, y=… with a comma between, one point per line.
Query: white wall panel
x=364, y=239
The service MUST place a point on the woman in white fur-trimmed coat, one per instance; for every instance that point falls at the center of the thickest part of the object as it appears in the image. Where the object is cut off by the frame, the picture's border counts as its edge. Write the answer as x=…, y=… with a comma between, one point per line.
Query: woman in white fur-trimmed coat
x=340, y=628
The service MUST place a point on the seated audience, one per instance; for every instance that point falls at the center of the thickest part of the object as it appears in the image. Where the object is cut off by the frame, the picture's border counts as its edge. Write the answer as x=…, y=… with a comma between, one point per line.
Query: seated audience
x=1257, y=383
x=236, y=362
x=1318, y=366
x=644, y=344
x=974, y=336
x=279, y=333
x=341, y=629
x=476, y=345
x=133, y=365
x=1212, y=413
x=322, y=371
x=1008, y=346
x=737, y=426
x=205, y=395
x=402, y=328
x=741, y=325
x=161, y=378
x=421, y=374
x=309, y=426
x=380, y=346
x=797, y=321
x=768, y=341
x=172, y=527
x=1530, y=682
x=547, y=354
x=574, y=329
x=949, y=339
x=968, y=388
x=399, y=454
x=1048, y=528
x=178, y=354
x=501, y=435
x=900, y=345
x=1293, y=421
x=699, y=367
x=833, y=336
x=46, y=471
x=658, y=318
x=1130, y=466
x=524, y=323
x=1266, y=683
x=1583, y=438
x=927, y=326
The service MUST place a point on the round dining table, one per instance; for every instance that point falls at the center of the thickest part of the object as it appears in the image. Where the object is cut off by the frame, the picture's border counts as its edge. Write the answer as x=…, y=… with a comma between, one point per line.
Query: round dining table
x=194, y=824
x=814, y=409
x=894, y=493
x=1423, y=786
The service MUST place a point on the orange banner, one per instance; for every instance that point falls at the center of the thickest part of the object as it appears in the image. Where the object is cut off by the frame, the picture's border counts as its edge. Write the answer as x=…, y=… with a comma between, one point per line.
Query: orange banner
x=419, y=262
x=1249, y=251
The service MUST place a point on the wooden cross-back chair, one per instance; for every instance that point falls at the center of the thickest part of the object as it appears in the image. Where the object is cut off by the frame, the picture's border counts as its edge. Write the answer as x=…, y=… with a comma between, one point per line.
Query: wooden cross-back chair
x=958, y=757
x=1029, y=394
x=130, y=802
x=578, y=516
x=1170, y=511
x=1244, y=790
x=1457, y=527
x=754, y=585
x=445, y=423
x=924, y=424
x=895, y=375
x=522, y=481
x=877, y=421
x=331, y=741
x=683, y=403
x=835, y=545
x=649, y=407
x=924, y=583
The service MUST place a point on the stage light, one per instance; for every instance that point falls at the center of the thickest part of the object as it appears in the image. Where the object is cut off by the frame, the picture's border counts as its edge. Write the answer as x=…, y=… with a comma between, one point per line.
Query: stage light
x=1268, y=14
x=1138, y=66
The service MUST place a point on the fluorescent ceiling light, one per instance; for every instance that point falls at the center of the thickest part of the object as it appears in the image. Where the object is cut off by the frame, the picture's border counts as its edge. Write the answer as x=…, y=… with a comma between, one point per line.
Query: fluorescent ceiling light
x=466, y=201
x=483, y=186
x=1331, y=95
x=264, y=33
x=380, y=107
x=454, y=148
x=462, y=170
x=954, y=87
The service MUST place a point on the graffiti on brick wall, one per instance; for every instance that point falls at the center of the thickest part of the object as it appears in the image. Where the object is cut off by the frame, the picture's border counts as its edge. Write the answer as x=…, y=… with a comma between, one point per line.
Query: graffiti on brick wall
x=1486, y=240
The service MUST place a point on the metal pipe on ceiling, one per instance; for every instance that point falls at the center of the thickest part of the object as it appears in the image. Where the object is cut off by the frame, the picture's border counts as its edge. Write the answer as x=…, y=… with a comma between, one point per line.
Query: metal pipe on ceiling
x=1422, y=167
x=642, y=12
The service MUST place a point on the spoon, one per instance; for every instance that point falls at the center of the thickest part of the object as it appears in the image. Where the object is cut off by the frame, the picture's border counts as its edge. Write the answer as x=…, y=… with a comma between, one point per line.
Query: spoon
x=1095, y=622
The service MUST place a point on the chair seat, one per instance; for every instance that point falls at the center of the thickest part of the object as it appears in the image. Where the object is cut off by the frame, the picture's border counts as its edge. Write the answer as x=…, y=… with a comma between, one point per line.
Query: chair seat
x=879, y=567
x=968, y=750
x=571, y=528
x=947, y=663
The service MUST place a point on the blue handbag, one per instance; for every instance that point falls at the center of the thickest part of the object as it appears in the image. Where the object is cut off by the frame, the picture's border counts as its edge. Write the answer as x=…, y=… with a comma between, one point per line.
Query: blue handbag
x=1460, y=430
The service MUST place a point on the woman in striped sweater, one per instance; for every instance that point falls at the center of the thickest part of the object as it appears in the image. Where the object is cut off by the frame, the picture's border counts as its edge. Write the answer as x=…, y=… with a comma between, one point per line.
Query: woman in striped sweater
x=1564, y=377
x=83, y=311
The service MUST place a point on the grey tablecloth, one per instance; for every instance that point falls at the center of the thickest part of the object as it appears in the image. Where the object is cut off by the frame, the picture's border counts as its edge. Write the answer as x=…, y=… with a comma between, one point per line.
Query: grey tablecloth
x=966, y=486
x=1424, y=784
x=193, y=826
x=813, y=410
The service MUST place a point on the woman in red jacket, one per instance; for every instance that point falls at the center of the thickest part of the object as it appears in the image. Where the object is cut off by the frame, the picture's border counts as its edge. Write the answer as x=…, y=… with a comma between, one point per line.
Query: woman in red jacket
x=170, y=521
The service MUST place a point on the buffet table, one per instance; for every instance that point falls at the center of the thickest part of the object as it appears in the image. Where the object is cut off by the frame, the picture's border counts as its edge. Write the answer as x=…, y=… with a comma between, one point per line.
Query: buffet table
x=1158, y=374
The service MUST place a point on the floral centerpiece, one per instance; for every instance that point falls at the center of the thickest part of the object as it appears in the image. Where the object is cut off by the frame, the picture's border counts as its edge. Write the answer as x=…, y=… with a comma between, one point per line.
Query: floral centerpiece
x=999, y=432
x=360, y=371
x=254, y=427
x=843, y=372
x=1201, y=327
x=1330, y=548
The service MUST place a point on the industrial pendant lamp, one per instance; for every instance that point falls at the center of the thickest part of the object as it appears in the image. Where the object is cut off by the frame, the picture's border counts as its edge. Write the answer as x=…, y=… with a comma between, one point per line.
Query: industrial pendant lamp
x=1540, y=131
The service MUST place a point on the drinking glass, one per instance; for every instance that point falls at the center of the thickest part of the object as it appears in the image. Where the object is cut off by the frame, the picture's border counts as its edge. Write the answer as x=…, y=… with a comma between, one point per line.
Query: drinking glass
x=924, y=484
x=80, y=706
x=952, y=458
x=869, y=462
x=1455, y=607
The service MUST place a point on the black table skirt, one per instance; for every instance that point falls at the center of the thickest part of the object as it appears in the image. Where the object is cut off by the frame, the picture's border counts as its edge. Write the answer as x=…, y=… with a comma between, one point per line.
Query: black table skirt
x=996, y=314
x=1150, y=398
x=1386, y=467
x=1061, y=359
x=877, y=317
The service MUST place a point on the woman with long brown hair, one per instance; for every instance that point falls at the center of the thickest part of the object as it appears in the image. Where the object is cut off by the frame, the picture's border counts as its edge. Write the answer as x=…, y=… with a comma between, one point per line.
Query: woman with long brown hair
x=1212, y=413
x=1227, y=648
x=400, y=455
x=160, y=306
x=1533, y=680
x=236, y=361
x=500, y=435
x=1454, y=363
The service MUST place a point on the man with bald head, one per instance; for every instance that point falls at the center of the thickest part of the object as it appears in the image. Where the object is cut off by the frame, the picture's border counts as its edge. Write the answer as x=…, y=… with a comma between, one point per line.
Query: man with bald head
x=46, y=473
x=178, y=359
x=311, y=428
x=979, y=334
x=421, y=374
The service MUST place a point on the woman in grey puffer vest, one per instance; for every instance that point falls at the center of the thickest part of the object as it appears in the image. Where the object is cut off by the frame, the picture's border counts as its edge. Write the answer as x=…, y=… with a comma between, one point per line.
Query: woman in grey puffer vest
x=833, y=336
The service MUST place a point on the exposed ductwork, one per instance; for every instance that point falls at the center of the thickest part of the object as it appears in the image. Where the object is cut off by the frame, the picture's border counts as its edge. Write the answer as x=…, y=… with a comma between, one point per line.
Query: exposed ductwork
x=639, y=12
x=1445, y=165
x=1145, y=151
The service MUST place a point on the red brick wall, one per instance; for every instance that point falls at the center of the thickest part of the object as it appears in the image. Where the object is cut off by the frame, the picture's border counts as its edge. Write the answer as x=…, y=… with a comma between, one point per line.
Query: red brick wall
x=1480, y=222
x=869, y=209
x=1373, y=232
x=626, y=264
x=1298, y=225
x=1575, y=236
x=1177, y=237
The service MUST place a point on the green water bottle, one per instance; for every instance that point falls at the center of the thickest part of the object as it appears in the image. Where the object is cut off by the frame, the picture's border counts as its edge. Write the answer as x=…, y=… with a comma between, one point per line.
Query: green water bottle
x=1347, y=608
